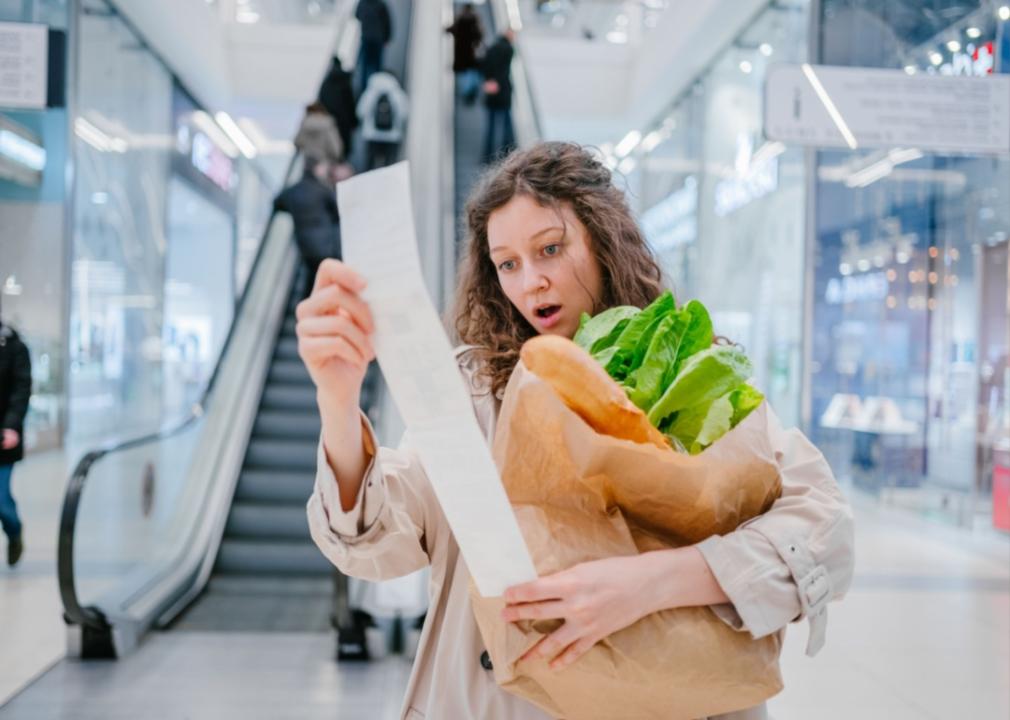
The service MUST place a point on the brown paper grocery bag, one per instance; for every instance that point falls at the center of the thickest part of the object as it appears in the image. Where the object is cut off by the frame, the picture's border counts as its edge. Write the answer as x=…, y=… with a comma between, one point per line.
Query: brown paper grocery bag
x=580, y=495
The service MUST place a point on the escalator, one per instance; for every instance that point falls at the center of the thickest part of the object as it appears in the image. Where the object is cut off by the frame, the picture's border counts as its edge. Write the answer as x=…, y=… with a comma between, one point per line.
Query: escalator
x=269, y=575
x=201, y=526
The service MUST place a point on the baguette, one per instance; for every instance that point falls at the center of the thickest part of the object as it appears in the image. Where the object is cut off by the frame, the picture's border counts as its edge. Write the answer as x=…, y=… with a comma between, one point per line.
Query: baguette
x=587, y=389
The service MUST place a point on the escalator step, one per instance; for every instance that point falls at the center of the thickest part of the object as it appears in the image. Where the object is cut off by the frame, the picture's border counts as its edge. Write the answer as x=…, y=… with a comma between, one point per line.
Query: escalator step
x=285, y=455
x=300, y=425
x=290, y=397
x=244, y=557
x=289, y=372
x=268, y=523
x=287, y=348
x=269, y=486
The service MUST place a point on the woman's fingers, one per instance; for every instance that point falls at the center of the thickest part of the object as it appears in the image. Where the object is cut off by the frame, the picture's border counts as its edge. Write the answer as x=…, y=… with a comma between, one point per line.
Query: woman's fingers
x=576, y=650
x=325, y=348
x=534, y=611
x=551, y=646
x=336, y=326
x=330, y=300
x=334, y=272
x=550, y=587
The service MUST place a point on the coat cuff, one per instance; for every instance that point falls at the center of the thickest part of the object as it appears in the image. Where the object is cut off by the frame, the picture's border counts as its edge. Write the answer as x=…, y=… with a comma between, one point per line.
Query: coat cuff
x=742, y=612
x=352, y=525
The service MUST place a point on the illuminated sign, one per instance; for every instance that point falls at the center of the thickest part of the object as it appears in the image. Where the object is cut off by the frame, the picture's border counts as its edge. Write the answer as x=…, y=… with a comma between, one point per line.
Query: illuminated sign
x=856, y=288
x=22, y=157
x=976, y=62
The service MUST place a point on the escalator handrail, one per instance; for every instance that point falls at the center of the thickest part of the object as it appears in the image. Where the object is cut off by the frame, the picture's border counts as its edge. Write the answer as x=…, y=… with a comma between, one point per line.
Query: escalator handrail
x=74, y=613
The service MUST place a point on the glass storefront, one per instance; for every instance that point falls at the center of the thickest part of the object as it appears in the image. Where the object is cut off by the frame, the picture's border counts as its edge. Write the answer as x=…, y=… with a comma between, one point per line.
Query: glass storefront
x=910, y=279
x=33, y=155
x=723, y=207
x=907, y=379
x=168, y=217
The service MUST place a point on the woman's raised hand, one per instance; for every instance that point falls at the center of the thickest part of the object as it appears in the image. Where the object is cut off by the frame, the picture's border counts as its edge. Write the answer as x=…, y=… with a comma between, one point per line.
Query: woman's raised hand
x=334, y=328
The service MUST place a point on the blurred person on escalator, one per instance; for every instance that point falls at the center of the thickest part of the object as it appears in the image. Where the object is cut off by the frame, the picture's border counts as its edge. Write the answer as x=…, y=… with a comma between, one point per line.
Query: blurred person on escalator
x=376, y=32
x=499, y=138
x=15, y=390
x=312, y=204
x=336, y=93
x=467, y=35
x=383, y=110
x=318, y=138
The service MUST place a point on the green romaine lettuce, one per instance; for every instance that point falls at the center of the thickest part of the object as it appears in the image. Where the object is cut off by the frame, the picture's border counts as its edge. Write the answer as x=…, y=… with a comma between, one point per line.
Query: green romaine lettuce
x=702, y=378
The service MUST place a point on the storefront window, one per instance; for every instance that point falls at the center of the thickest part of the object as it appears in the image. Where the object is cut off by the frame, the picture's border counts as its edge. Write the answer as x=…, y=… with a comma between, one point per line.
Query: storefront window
x=33, y=229
x=723, y=207
x=910, y=337
x=154, y=261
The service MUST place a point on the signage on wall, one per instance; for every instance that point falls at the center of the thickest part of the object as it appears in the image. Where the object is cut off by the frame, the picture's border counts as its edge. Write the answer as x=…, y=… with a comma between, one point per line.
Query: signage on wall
x=24, y=65
x=828, y=106
x=206, y=157
x=856, y=288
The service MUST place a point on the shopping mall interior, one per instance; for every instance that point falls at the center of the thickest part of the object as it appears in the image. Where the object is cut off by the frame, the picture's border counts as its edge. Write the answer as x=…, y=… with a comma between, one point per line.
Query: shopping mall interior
x=830, y=178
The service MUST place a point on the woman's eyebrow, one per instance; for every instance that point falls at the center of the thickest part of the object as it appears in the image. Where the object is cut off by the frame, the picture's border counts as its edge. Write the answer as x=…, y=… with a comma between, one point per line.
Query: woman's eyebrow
x=534, y=236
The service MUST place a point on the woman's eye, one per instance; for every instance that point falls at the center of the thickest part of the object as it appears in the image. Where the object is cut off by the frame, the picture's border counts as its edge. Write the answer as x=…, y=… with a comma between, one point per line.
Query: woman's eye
x=507, y=265
x=552, y=250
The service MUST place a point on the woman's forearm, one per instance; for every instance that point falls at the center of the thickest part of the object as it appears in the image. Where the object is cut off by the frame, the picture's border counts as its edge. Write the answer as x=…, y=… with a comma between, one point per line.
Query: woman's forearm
x=680, y=578
x=344, y=444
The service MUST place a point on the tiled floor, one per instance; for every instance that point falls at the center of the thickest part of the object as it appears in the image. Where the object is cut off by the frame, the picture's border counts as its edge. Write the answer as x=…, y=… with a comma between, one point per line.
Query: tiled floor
x=924, y=634
x=31, y=627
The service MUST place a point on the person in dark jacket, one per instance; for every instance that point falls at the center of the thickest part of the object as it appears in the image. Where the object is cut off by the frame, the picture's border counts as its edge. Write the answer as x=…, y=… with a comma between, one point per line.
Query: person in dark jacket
x=336, y=93
x=15, y=389
x=498, y=96
x=467, y=35
x=376, y=32
x=312, y=204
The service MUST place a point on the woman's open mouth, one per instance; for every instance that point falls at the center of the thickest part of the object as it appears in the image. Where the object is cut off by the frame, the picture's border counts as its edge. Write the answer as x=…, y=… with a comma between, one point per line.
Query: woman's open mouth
x=547, y=315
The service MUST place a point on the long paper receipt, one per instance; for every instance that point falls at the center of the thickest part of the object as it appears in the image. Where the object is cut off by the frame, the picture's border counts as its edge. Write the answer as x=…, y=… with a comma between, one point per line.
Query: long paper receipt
x=379, y=242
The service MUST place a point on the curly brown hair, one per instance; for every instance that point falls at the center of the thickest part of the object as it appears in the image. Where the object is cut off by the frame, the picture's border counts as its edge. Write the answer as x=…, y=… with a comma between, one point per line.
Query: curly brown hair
x=551, y=174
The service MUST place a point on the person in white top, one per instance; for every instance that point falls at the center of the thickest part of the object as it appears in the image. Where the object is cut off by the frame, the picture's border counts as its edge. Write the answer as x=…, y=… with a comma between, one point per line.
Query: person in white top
x=383, y=110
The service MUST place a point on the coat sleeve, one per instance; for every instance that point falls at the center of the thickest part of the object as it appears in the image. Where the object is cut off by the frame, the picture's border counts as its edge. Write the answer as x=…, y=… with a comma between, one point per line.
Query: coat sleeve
x=21, y=389
x=789, y=563
x=384, y=535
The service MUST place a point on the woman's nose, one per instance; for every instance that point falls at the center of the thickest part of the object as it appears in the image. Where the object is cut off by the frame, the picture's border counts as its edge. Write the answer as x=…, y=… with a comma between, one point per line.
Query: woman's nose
x=536, y=281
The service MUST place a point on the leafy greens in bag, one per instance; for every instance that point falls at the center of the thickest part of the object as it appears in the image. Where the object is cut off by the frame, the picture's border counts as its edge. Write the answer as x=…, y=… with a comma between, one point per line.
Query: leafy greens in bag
x=664, y=358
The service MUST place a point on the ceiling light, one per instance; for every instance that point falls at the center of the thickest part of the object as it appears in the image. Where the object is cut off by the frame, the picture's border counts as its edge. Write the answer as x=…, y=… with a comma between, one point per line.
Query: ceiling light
x=1004, y=12
x=617, y=37
x=911, y=69
x=745, y=66
x=629, y=143
x=652, y=140
x=766, y=49
x=235, y=134
x=973, y=32
x=935, y=58
x=954, y=46
x=863, y=265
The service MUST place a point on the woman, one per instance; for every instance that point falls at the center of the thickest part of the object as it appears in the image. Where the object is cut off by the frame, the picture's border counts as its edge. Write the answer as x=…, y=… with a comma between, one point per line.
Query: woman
x=318, y=138
x=550, y=237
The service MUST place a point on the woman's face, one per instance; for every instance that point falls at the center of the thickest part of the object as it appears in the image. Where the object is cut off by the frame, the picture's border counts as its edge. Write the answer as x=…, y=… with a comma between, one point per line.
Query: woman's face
x=545, y=264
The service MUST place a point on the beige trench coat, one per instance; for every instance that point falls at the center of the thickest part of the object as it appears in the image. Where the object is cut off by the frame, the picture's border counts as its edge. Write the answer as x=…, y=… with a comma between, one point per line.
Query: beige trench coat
x=781, y=567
